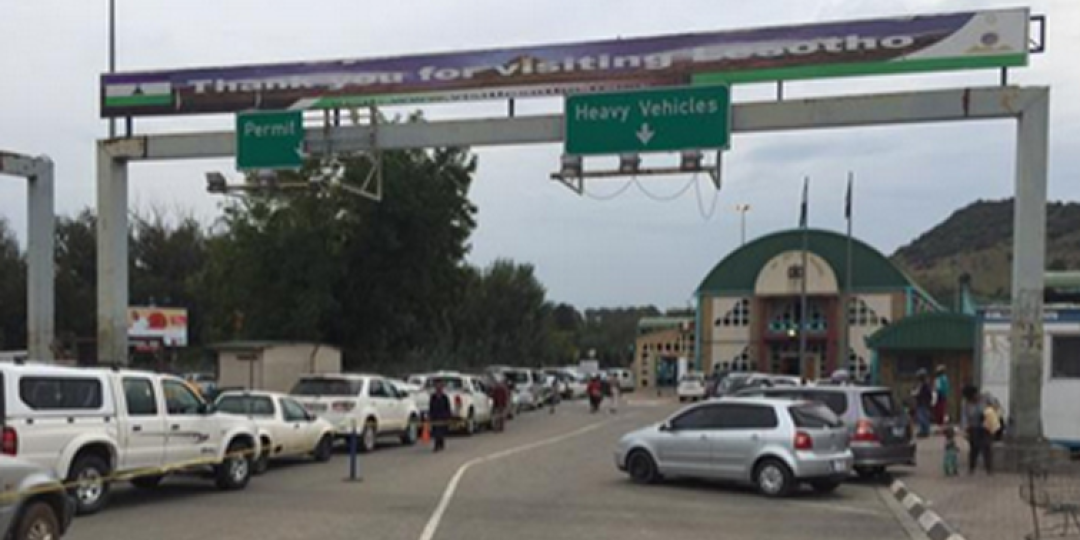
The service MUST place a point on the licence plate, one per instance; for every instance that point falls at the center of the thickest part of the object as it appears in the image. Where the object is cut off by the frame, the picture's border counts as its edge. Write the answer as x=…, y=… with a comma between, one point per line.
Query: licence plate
x=839, y=465
x=898, y=431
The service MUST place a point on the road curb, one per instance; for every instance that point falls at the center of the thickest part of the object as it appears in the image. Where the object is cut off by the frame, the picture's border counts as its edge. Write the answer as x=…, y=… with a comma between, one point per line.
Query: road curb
x=929, y=521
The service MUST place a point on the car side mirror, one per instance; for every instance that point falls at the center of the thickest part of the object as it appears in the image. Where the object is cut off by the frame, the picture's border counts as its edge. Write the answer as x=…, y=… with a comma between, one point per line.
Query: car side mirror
x=207, y=408
x=666, y=426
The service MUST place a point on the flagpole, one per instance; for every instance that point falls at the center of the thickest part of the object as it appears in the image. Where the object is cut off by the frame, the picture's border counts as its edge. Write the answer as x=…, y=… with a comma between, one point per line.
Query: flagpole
x=845, y=343
x=805, y=276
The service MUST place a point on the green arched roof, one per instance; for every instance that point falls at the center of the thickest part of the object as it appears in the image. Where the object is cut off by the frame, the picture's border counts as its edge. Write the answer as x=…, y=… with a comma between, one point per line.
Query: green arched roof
x=933, y=331
x=738, y=272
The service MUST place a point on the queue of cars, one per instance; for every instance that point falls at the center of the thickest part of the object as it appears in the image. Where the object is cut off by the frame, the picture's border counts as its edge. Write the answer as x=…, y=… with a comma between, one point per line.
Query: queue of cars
x=67, y=435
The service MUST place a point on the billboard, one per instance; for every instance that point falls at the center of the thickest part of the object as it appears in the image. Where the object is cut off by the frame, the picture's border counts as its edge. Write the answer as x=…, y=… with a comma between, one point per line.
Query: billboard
x=984, y=39
x=166, y=325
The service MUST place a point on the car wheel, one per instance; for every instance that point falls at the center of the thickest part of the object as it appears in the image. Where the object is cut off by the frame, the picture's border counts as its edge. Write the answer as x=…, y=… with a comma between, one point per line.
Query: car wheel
x=369, y=436
x=642, y=468
x=773, y=478
x=39, y=522
x=825, y=486
x=235, y=471
x=149, y=481
x=91, y=490
x=412, y=431
x=470, y=424
x=324, y=449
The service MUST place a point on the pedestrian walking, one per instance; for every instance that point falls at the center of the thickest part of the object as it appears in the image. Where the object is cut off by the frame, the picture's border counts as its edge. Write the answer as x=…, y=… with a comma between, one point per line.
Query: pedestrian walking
x=554, y=393
x=980, y=423
x=596, y=393
x=923, y=397
x=613, y=385
x=500, y=398
x=440, y=414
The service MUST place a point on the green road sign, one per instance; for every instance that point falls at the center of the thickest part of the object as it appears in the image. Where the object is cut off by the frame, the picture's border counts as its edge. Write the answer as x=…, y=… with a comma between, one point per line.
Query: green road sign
x=270, y=140
x=661, y=120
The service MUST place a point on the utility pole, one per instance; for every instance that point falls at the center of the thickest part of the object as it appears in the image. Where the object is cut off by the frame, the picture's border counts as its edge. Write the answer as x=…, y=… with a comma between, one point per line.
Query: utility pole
x=112, y=56
x=742, y=209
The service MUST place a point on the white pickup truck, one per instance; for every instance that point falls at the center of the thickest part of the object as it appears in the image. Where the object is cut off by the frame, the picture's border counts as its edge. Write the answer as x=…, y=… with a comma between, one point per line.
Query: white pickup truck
x=93, y=427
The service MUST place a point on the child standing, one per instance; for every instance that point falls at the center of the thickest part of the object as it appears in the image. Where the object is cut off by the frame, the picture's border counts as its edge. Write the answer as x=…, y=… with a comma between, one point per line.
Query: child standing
x=952, y=453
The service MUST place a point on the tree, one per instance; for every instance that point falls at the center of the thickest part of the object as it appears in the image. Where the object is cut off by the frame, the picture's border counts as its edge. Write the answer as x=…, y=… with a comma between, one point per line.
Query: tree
x=76, y=282
x=164, y=260
x=12, y=291
x=505, y=319
x=382, y=280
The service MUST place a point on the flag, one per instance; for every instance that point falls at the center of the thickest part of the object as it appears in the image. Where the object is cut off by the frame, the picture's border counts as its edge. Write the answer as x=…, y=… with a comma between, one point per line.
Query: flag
x=803, y=209
x=847, y=201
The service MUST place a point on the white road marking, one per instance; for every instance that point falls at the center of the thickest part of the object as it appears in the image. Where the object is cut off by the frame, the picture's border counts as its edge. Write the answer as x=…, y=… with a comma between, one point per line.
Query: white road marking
x=436, y=517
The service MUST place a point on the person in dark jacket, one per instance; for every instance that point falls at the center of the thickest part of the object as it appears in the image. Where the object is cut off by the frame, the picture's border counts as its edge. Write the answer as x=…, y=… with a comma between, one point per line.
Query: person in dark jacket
x=440, y=413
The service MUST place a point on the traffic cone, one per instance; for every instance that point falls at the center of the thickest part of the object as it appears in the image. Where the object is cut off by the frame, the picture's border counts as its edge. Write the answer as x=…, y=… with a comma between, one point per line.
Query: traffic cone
x=425, y=433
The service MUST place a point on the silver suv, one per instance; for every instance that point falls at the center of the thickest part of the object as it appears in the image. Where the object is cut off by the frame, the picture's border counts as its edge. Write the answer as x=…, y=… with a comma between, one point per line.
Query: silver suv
x=880, y=433
x=33, y=504
x=775, y=444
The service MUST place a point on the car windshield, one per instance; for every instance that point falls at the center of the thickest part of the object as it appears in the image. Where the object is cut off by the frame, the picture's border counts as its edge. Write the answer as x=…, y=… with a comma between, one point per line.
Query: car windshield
x=248, y=405
x=327, y=387
x=814, y=415
x=878, y=404
x=449, y=383
x=836, y=401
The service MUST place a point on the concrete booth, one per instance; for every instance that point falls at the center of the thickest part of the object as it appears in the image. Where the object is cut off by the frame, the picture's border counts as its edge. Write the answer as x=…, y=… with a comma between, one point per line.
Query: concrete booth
x=1060, y=344
x=272, y=365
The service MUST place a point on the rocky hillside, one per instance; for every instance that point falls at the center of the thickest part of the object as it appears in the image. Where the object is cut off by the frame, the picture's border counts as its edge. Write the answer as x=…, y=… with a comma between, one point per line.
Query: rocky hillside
x=977, y=240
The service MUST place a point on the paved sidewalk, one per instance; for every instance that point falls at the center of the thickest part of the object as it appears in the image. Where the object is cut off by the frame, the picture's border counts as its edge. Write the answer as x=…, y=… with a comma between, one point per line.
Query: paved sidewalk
x=978, y=507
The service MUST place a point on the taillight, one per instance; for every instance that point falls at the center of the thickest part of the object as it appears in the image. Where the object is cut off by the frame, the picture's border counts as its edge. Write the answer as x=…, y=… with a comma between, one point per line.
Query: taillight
x=803, y=441
x=9, y=442
x=864, y=432
x=343, y=406
x=457, y=402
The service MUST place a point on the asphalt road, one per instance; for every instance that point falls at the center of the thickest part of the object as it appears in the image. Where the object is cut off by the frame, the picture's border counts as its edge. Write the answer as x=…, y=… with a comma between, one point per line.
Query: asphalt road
x=546, y=477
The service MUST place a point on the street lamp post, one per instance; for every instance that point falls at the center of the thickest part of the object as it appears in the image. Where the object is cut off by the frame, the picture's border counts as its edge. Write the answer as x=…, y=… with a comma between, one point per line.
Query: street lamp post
x=742, y=209
x=112, y=55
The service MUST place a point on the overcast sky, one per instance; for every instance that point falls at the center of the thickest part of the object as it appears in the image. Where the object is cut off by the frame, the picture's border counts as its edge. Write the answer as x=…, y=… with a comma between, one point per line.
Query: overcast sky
x=627, y=250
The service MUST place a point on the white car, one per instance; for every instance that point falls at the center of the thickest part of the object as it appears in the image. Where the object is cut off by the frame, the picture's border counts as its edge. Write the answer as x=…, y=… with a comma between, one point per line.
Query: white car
x=625, y=378
x=472, y=406
x=286, y=428
x=90, y=425
x=415, y=391
x=691, y=387
x=526, y=388
x=370, y=405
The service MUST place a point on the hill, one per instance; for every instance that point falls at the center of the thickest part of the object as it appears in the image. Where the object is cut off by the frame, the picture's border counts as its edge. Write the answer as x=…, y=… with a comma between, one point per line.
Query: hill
x=977, y=240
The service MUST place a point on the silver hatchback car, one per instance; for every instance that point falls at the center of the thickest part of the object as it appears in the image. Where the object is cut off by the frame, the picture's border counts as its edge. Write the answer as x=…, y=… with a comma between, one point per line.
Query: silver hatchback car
x=774, y=444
